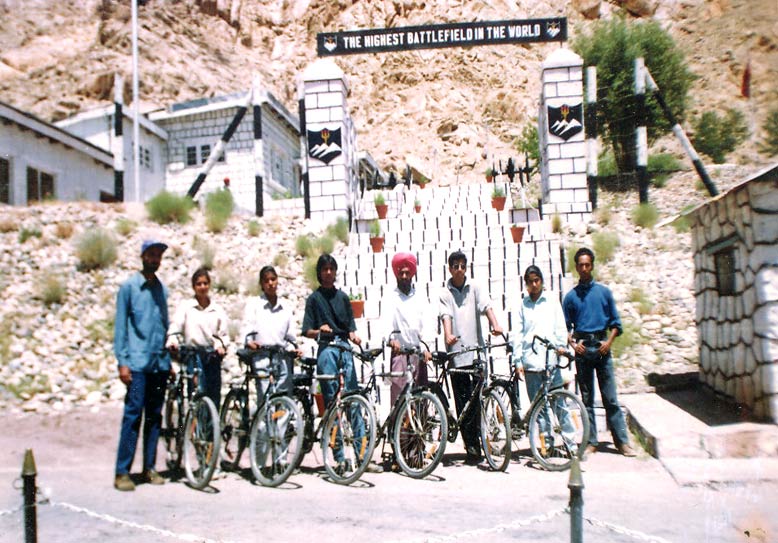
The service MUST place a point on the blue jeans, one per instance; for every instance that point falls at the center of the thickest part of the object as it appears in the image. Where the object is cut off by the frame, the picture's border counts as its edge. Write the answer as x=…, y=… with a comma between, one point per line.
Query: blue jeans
x=144, y=400
x=534, y=382
x=211, y=377
x=327, y=363
x=587, y=365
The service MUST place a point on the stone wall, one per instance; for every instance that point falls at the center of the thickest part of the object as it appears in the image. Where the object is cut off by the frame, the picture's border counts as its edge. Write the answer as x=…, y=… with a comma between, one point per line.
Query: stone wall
x=738, y=333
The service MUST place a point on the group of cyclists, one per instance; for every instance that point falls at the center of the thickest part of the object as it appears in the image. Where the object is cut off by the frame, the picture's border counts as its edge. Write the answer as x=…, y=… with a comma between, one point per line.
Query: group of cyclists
x=407, y=319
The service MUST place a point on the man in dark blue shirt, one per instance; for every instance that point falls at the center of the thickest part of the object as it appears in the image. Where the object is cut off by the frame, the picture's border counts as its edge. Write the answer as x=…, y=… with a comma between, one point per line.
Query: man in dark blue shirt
x=144, y=364
x=593, y=323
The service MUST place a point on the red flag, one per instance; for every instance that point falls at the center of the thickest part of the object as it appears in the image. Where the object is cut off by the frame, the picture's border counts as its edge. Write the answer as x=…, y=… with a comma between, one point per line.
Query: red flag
x=745, y=85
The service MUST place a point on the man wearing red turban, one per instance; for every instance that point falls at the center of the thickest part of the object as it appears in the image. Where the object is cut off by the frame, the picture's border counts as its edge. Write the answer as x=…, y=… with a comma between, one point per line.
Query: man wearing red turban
x=406, y=320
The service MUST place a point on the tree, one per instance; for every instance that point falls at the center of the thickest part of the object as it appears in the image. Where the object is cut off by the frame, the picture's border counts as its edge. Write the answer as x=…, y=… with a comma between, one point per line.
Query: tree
x=527, y=144
x=612, y=46
x=717, y=136
x=769, y=145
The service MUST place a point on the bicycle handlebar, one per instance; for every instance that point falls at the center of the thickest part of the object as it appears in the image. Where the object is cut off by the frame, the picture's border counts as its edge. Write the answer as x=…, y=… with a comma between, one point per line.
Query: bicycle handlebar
x=551, y=347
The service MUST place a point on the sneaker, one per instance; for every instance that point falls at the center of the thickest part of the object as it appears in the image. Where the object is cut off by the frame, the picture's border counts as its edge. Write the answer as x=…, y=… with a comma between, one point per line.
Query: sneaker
x=372, y=467
x=152, y=477
x=626, y=450
x=123, y=483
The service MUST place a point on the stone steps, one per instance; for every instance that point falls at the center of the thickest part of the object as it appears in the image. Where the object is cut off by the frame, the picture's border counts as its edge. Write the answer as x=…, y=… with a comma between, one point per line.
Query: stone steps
x=452, y=218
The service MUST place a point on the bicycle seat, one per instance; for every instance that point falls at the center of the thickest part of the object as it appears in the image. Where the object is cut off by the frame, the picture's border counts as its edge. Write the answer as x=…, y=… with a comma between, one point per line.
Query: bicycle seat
x=245, y=354
x=372, y=353
x=440, y=357
x=308, y=362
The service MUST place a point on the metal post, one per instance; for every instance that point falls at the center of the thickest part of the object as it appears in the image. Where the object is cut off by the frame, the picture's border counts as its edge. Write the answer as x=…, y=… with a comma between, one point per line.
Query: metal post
x=28, y=489
x=576, y=486
x=641, y=133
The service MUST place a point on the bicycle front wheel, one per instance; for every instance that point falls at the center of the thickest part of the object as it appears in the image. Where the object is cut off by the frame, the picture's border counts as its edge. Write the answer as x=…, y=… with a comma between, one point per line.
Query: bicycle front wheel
x=201, y=442
x=508, y=394
x=558, y=430
x=173, y=428
x=276, y=441
x=495, y=431
x=234, y=426
x=348, y=439
x=420, y=432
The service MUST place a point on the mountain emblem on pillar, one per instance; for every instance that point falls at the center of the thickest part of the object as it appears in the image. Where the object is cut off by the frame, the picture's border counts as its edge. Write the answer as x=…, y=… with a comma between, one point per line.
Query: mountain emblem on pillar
x=324, y=144
x=565, y=121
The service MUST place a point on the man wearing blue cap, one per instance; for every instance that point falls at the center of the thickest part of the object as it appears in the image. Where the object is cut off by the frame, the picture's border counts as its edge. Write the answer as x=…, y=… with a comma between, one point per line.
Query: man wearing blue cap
x=144, y=364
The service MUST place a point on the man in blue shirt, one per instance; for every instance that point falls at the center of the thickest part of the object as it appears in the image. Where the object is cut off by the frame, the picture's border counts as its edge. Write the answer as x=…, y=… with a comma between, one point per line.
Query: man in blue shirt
x=593, y=323
x=144, y=364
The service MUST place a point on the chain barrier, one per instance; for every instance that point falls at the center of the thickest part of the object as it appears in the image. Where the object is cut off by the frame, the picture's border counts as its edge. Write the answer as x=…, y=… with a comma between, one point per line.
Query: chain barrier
x=634, y=534
x=6, y=512
x=469, y=534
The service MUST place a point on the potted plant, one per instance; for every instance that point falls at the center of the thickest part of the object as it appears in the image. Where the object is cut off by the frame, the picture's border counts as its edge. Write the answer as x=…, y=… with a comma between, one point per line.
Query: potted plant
x=376, y=239
x=417, y=205
x=489, y=173
x=517, y=232
x=498, y=199
x=357, y=305
x=423, y=181
x=380, y=205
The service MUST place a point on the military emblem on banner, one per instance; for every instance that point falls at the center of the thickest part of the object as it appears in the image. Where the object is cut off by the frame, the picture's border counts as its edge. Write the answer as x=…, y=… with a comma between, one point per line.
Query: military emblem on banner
x=565, y=121
x=324, y=144
x=330, y=43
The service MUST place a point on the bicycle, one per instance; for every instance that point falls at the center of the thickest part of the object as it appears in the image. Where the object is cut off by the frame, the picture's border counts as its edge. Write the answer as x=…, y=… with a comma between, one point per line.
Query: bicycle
x=273, y=434
x=347, y=430
x=417, y=424
x=494, y=418
x=556, y=421
x=193, y=437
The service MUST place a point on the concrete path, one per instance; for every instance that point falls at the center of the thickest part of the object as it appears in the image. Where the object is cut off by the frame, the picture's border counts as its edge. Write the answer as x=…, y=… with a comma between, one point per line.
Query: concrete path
x=626, y=499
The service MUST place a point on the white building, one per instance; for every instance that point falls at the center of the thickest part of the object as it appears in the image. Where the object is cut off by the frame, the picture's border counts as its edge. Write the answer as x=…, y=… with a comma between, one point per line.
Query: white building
x=39, y=160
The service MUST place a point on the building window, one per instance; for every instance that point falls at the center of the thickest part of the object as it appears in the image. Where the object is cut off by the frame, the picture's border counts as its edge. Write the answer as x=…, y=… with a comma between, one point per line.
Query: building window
x=724, y=262
x=198, y=154
x=5, y=181
x=40, y=185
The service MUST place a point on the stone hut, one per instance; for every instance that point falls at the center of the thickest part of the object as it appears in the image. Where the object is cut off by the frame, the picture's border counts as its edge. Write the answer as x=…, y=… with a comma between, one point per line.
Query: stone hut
x=735, y=243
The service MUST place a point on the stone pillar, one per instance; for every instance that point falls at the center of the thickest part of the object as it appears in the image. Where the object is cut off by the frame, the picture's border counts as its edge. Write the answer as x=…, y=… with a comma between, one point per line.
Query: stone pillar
x=561, y=136
x=257, y=98
x=328, y=147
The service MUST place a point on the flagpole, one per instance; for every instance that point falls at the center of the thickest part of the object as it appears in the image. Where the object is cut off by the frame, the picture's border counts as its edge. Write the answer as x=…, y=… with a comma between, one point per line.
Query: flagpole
x=135, y=107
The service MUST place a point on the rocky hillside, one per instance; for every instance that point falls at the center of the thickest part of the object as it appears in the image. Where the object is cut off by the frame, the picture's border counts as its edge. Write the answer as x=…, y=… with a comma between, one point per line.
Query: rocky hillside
x=449, y=108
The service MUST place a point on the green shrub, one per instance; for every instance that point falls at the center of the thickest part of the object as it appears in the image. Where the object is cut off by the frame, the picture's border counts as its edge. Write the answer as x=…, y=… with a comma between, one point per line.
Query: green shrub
x=379, y=199
x=251, y=286
x=527, y=144
x=285, y=195
x=645, y=215
x=556, y=223
x=630, y=336
x=606, y=163
x=660, y=166
x=95, y=249
x=219, y=206
x=374, y=228
x=769, y=145
x=166, y=207
x=100, y=331
x=604, y=245
x=51, y=288
x=304, y=245
x=339, y=230
x=27, y=233
x=226, y=282
x=682, y=223
x=206, y=252
x=281, y=260
x=498, y=192
x=603, y=215
x=64, y=230
x=638, y=297
x=717, y=136
x=325, y=244
x=309, y=272
x=124, y=226
x=253, y=228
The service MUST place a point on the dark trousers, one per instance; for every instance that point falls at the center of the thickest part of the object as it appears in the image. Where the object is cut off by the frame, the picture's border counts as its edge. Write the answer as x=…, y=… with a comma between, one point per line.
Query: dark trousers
x=462, y=386
x=144, y=400
x=588, y=365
